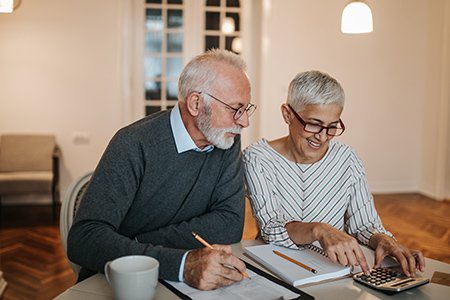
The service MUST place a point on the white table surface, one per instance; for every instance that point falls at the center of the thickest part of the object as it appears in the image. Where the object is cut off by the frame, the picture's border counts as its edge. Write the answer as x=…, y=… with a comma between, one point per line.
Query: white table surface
x=97, y=288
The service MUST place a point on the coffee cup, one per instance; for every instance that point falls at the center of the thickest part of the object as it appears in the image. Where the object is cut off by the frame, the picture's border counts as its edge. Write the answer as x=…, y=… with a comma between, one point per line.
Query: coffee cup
x=133, y=277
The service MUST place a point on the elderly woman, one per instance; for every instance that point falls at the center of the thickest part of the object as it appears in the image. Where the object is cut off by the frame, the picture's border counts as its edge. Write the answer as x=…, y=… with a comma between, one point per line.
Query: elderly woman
x=308, y=187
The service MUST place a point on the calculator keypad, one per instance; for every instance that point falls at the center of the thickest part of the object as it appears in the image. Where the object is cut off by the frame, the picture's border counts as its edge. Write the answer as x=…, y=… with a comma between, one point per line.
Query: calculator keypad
x=380, y=276
x=389, y=281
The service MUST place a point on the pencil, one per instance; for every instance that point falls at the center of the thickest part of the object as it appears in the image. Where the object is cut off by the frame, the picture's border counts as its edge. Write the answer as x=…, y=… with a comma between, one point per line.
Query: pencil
x=295, y=262
x=206, y=244
x=201, y=240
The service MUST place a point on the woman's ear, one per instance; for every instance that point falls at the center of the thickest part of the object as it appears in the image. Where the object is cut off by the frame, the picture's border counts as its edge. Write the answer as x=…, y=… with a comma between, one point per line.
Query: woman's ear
x=193, y=104
x=285, y=111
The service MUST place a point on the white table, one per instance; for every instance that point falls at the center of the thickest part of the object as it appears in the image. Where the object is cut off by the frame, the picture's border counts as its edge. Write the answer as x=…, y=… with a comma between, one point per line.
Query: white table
x=97, y=288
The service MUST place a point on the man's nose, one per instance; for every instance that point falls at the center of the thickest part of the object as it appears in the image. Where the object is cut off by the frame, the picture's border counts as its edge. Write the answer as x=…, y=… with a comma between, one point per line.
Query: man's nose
x=243, y=120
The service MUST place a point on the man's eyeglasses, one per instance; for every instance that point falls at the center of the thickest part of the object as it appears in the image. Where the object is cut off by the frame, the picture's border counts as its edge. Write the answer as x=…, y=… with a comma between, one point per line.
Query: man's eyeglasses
x=316, y=128
x=238, y=112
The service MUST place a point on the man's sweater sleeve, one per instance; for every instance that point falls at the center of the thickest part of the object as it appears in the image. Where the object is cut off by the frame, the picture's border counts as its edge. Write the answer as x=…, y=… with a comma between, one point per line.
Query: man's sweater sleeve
x=94, y=237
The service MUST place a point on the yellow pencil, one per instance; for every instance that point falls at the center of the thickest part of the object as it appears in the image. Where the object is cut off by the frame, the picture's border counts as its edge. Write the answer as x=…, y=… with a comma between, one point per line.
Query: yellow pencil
x=206, y=244
x=295, y=261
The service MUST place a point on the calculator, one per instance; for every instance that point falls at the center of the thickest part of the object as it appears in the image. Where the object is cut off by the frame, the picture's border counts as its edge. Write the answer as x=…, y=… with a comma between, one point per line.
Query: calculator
x=389, y=280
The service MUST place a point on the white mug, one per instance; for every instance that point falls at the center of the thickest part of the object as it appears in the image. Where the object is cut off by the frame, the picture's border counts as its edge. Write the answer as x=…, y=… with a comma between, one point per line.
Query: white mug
x=133, y=277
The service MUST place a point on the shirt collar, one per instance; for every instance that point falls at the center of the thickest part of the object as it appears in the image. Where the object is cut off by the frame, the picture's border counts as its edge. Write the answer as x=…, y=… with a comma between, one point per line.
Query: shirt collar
x=183, y=140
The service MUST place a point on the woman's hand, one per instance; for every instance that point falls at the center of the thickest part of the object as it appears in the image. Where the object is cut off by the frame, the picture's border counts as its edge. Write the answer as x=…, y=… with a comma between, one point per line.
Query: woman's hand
x=410, y=260
x=341, y=247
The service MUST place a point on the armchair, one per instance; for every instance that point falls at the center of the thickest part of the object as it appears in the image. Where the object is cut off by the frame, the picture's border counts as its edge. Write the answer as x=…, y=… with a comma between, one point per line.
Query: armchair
x=29, y=164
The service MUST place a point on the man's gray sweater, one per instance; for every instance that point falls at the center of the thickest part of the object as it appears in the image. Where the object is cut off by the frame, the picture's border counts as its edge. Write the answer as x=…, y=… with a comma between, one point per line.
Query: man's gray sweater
x=145, y=199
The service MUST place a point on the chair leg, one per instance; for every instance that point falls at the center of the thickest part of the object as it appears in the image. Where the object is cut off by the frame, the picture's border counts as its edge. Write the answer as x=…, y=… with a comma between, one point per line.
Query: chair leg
x=55, y=185
x=54, y=203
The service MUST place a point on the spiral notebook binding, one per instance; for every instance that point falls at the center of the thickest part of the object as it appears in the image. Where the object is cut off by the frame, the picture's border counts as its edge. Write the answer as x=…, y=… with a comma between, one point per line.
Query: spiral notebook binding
x=316, y=249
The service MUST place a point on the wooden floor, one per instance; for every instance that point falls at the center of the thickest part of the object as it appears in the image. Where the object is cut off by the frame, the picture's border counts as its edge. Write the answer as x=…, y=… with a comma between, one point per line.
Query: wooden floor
x=417, y=222
x=34, y=264
x=32, y=257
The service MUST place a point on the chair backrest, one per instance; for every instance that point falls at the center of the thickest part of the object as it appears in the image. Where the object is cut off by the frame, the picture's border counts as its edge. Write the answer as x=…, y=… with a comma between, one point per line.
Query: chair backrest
x=251, y=229
x=21, y=152
x=69, y=207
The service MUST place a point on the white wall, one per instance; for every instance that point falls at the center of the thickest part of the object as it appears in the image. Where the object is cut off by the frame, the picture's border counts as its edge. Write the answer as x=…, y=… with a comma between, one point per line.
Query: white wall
x=436, y=103
x=61, y=71
x=385, y=75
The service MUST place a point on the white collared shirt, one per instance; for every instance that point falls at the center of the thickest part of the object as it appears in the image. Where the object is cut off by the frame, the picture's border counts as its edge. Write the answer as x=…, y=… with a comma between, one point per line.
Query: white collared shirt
x=183, y=140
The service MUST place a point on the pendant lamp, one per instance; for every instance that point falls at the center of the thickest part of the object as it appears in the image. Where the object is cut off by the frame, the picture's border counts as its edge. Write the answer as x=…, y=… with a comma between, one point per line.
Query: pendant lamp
x=6, y=6
x=357, y=18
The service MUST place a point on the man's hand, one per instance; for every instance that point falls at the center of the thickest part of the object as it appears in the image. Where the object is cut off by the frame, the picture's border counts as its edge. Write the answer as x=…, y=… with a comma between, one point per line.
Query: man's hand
x=341, y=247
x=208, y=269
x=410, y=260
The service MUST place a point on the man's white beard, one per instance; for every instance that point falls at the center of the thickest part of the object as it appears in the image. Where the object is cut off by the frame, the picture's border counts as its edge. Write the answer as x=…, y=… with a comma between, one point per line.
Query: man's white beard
x=215, y=136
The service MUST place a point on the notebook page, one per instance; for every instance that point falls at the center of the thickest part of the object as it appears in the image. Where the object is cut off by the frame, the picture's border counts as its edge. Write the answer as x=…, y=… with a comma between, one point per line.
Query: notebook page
x=293, y=273
x=258, y=287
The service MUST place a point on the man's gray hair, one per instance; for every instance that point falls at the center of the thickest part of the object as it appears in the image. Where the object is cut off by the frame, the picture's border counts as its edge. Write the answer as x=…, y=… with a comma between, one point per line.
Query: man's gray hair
x=314, y=87
x=201, y=71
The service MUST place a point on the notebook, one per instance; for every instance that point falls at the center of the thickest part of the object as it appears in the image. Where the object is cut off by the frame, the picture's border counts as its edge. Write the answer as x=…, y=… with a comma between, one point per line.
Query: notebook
x=312, y=256
x=261, y=286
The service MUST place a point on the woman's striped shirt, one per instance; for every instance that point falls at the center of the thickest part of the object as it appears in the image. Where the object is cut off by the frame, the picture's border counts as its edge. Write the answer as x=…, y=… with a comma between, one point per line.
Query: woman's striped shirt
x=333, y=190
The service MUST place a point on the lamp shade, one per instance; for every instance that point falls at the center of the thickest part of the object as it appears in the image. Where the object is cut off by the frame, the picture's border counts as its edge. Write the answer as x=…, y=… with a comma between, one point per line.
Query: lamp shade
x=228, y=25
x=236, y=45
x=357, y=18
x=6, y=6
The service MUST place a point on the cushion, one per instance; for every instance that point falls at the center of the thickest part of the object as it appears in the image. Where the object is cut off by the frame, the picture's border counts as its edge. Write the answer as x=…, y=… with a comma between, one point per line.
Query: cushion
x=25, y=182
x=26, y=152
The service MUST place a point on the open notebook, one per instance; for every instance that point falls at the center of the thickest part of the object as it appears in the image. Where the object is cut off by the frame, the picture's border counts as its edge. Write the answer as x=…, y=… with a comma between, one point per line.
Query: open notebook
x=311, y=256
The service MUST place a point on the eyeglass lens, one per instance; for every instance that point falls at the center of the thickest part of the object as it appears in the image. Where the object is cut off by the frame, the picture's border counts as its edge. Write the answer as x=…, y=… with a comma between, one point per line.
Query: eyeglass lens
x=250, y=109
x=316, y=128
x=333, y=131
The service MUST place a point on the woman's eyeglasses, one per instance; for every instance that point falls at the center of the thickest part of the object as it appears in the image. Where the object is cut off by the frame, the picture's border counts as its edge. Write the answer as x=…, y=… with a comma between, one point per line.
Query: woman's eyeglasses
x=316, y=128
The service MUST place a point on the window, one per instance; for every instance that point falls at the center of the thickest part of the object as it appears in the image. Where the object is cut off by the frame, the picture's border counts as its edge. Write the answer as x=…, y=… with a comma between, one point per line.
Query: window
x=163, y=53
x=168, y=34
x=222, y=25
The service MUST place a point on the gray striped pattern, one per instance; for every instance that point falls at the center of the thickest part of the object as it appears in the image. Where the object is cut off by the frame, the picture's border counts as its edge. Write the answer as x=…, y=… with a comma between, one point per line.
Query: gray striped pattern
x=333, y=190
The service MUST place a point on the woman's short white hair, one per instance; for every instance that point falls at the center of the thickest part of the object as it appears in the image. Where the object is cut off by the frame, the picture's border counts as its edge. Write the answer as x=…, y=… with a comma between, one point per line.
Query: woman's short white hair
x=201, y=71
x=314, y=87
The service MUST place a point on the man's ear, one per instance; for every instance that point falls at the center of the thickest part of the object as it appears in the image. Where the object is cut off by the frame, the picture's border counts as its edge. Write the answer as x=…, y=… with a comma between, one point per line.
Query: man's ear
x=285, y=111
x=193, y=104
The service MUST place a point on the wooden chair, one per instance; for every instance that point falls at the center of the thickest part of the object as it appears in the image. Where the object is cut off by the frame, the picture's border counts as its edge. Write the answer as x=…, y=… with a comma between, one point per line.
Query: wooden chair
x=251, y=229
x=29, y=164
x=69, y=207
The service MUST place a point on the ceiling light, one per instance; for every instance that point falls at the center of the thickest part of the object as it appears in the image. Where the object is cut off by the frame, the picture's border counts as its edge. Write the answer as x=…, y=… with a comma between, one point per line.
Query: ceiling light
x=236, y=45
x=228, y=25
x=357, y=18
x=6, y=6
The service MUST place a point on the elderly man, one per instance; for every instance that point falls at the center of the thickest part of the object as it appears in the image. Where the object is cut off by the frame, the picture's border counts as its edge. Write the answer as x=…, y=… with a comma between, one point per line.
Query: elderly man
x=170, y=174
